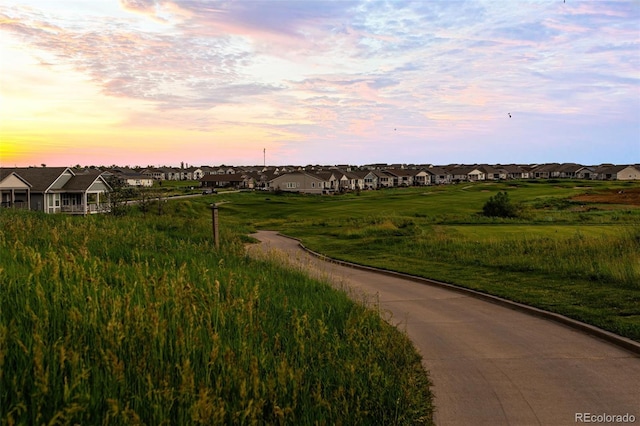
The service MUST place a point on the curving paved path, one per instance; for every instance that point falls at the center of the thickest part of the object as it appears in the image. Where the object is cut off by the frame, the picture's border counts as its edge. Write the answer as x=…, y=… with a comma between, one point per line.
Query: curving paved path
x=490, y=365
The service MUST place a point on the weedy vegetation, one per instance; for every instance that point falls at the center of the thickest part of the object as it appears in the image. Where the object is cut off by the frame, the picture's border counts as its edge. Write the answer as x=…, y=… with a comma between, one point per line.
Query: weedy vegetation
x=137, y=319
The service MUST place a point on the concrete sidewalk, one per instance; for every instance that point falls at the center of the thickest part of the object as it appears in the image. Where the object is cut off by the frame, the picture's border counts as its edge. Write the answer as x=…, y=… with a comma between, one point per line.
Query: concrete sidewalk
x=490, y=364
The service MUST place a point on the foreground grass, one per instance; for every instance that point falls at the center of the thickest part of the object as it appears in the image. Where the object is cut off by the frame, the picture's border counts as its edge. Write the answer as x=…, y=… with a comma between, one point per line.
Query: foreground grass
x=136, y=320
x=575, y=258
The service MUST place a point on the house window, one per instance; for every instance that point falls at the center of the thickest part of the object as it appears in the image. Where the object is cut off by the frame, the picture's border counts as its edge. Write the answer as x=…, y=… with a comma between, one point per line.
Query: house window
x=313, y=184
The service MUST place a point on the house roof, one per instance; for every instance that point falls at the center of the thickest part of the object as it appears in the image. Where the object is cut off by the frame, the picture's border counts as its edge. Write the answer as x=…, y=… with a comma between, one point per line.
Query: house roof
x=4, y=173
x=465, y=169
x=325, y=176
x=612, y=169
x=546, y=168
x=569, y=167
x=40, y=178
x=400, y=172
x=512, y=168
x=83, y=182
x=360, y=174
x=321, y=176
x=436, y=170
x=229, y=177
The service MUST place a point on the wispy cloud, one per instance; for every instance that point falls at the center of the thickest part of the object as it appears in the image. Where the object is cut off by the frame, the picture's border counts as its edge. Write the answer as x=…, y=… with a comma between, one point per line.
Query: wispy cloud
x=327, y=72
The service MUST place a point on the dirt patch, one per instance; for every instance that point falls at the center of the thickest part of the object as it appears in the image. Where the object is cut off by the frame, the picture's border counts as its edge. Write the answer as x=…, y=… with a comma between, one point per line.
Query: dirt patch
x=629, y=196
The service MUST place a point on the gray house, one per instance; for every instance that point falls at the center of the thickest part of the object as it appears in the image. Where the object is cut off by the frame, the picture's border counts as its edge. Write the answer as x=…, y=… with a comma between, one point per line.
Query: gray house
x=60, y=190
x=438, y=175
x=300, y=182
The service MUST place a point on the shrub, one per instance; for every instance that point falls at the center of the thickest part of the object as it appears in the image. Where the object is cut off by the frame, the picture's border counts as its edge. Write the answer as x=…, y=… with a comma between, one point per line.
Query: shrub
x=499, y=205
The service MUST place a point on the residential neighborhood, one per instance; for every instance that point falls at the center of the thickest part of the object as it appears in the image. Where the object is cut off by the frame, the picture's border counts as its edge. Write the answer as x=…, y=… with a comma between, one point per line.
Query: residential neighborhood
x=77, y=190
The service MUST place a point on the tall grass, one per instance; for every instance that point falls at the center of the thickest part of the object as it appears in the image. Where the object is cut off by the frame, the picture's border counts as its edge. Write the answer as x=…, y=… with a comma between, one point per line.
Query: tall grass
x=136, y=320
x=611, y=259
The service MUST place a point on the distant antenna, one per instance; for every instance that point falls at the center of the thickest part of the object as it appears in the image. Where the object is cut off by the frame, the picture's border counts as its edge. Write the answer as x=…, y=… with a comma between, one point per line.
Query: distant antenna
x=264, y=157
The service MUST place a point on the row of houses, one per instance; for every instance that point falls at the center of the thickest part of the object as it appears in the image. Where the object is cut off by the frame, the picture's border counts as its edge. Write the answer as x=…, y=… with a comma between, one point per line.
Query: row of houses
x=146, y=176
x=389, y=175
x=339, y=180
x=85, y=191
x=315, y=179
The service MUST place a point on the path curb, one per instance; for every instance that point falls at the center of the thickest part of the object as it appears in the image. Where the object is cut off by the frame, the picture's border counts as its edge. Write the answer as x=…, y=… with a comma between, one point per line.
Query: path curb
x=620, y=341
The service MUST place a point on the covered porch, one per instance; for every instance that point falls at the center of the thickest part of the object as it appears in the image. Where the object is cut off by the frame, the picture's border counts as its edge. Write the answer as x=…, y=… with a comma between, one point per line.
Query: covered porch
x=84, y=203
x=15, y=198
x=15, y=192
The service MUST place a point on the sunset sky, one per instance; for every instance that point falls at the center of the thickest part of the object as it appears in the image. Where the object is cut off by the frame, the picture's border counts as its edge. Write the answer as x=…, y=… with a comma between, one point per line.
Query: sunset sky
x=160, y=82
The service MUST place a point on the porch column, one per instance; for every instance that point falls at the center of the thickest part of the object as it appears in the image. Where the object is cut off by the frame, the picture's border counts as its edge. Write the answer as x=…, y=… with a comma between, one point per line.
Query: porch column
x=85, y=206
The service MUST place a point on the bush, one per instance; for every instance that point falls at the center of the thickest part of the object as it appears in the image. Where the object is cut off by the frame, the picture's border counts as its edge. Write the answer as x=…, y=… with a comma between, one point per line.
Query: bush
x=500, y=206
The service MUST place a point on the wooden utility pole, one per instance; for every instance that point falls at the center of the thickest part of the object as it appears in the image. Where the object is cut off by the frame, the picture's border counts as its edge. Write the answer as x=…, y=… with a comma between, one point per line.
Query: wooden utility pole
x=214, y=221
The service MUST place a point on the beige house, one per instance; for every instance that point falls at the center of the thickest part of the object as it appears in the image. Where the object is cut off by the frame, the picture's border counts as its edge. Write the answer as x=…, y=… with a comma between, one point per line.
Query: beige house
x=300, y=182
x=421, y=178
x=620, y=172
x=132, y=178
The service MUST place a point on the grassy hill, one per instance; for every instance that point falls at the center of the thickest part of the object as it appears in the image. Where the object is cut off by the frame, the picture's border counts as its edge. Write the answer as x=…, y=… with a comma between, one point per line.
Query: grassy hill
x=138, y=320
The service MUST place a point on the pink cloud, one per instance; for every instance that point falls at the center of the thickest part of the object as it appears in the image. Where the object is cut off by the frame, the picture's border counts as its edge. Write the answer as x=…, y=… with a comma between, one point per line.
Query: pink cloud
x=164, y=11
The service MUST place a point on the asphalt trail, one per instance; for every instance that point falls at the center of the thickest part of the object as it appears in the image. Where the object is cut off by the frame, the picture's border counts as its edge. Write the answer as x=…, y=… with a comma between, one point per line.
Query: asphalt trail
x=489, y=364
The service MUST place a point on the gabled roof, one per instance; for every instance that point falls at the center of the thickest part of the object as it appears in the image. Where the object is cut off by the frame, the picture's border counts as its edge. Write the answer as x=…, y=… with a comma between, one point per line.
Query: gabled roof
x=437, y=171
x=513, y=168
x=569, y=167
x=41, y=178
x=320, y=176
x=5, y=173
x=400, y=172
x=84, y=181
x=324, y=176
x=546, y=168
x=360, y=174
x=465, y=169
x=612, y=169
x=353, y=175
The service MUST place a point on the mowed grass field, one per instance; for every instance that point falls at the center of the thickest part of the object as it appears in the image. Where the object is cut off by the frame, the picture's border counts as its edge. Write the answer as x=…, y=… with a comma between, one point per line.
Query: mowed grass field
x=564, y=253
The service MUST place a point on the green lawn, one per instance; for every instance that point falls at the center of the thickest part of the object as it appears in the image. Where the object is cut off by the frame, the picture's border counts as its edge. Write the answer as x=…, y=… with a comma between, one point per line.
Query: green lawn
x=575, y=258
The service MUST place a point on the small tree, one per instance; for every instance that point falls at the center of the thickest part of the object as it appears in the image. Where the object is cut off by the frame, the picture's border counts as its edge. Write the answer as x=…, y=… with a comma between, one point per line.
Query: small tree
x=500, y=206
